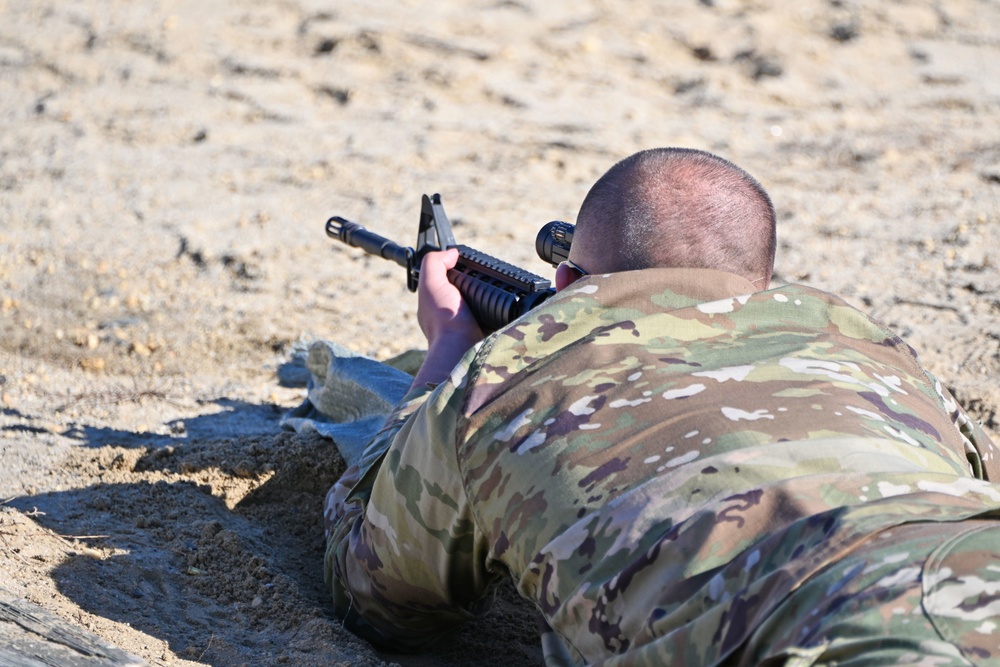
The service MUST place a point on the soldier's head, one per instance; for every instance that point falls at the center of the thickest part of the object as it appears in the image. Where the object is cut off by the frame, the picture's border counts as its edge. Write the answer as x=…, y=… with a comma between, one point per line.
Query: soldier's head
x=676, y=208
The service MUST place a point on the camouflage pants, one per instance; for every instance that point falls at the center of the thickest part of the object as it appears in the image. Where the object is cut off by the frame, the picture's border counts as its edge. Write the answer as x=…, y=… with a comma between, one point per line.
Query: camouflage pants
x=925, y=594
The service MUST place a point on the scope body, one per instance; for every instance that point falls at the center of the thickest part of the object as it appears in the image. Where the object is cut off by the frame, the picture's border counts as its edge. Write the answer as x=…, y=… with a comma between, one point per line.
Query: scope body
x=553, y=242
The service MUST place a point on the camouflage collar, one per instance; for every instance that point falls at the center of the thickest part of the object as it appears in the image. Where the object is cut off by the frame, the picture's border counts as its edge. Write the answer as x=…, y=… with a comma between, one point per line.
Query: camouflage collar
x=675, y=288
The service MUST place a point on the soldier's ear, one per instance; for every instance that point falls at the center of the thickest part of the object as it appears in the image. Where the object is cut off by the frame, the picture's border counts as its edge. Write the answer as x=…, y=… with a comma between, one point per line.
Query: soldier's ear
x=566, y=276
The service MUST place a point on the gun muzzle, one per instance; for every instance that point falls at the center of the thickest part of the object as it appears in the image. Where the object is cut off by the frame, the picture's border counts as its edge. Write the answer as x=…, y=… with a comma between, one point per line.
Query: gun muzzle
x=357, y=236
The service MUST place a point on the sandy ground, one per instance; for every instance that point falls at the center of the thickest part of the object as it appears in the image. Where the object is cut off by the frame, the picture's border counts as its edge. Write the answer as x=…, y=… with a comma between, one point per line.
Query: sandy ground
x=166, y=168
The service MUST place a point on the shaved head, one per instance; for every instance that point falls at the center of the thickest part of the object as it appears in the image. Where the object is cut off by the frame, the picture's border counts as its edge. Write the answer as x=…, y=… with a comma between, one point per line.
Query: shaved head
x=677, y=208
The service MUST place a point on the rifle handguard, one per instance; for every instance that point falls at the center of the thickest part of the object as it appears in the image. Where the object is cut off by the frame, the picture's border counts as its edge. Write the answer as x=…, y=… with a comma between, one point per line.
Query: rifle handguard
x=497, y=292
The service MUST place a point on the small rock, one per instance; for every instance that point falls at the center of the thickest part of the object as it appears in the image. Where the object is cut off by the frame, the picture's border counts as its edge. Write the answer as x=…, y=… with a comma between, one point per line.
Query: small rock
x=93, y=364
x=244, y=469
x=844, y=31
x=211, y=529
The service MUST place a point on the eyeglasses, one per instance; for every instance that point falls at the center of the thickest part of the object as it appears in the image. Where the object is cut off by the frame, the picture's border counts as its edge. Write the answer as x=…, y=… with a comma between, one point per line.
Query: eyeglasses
x=576, y=267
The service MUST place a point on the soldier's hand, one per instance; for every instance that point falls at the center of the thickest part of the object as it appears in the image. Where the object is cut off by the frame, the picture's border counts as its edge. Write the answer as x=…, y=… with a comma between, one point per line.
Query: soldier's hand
x=444, y=317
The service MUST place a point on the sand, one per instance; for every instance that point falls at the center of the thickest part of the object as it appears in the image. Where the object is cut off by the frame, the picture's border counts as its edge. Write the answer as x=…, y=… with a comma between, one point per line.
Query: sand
x=166, y=168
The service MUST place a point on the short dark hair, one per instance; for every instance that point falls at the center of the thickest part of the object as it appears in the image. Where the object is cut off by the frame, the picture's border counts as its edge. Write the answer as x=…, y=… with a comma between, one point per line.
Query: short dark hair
x=681, y=207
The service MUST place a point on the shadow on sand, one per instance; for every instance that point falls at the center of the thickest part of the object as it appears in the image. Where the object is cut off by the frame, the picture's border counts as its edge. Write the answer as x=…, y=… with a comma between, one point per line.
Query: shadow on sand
x=215, y=545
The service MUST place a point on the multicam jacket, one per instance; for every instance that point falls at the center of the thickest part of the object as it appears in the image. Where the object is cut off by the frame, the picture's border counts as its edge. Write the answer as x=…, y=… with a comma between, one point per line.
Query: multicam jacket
x=657, y=458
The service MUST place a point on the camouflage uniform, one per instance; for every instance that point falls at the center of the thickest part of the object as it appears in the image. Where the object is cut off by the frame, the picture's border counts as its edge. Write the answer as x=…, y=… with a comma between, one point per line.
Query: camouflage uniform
x=676, y=470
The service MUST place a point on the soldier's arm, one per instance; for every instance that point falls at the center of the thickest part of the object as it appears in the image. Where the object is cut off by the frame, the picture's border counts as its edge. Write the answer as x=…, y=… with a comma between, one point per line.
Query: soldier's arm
x=982, y=446
x=405, y=557
x=983, y=455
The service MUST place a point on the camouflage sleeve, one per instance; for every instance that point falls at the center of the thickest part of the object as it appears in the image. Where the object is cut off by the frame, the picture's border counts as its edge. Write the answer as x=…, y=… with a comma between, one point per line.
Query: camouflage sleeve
x=405, y=558
x=980, y=451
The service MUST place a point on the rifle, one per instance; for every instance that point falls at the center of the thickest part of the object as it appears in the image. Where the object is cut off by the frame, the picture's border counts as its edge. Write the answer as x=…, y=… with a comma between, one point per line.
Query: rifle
x=496, y=292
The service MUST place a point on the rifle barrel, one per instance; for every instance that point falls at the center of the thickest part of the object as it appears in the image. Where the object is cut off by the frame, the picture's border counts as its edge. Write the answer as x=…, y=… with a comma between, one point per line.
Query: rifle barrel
x=357, y=236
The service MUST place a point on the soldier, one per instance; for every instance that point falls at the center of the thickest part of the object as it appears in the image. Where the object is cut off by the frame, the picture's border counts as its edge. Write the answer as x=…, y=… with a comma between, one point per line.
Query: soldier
x=676, y=464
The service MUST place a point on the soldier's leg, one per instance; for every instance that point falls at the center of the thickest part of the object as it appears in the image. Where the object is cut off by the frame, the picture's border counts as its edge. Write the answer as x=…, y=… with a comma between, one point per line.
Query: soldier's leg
x=922, y=594
x=962, y=592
